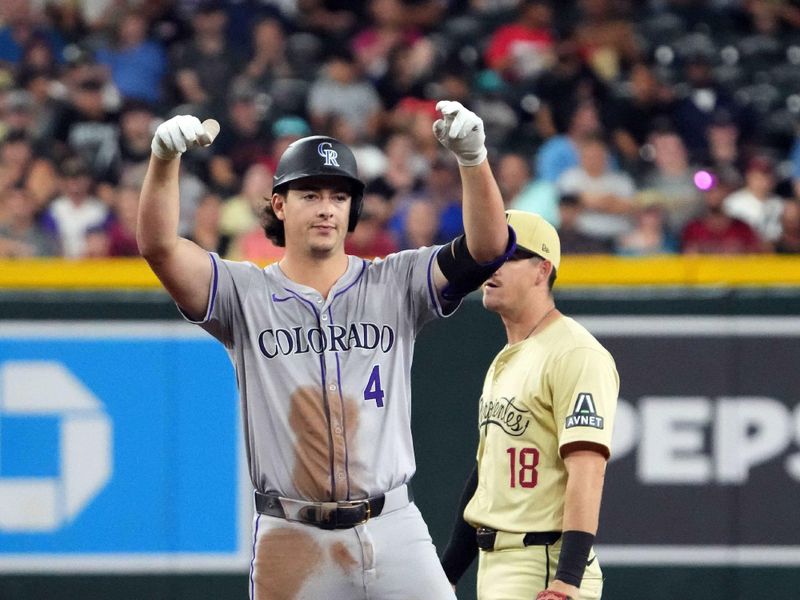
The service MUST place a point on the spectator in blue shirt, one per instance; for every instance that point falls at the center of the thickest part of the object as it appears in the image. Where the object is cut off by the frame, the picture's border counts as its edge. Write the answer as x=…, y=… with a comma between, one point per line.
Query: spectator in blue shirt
x=560, y=152
x=137, y=64
x=20, y=29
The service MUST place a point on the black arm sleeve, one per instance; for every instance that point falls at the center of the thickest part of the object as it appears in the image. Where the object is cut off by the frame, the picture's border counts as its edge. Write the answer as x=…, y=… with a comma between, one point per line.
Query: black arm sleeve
x=463, y=273
x=462, y=546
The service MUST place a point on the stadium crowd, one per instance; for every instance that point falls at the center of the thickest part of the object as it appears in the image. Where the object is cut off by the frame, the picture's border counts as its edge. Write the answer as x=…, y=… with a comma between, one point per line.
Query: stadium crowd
x=636, y=128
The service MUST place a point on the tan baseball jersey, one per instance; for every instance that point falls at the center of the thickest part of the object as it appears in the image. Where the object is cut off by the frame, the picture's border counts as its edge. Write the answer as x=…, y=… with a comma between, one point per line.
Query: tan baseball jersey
x=557, y=387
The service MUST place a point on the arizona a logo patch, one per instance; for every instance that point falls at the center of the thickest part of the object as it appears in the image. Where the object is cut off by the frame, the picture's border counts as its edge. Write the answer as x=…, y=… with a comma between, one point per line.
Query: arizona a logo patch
x=584, y=413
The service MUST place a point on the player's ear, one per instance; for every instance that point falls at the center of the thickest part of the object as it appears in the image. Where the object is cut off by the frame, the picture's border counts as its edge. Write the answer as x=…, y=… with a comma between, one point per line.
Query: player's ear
x=278, y=203
x=543, y=270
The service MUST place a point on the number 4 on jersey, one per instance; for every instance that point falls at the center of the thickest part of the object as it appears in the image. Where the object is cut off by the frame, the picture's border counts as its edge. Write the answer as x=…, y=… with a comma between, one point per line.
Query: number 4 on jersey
x=374, y=391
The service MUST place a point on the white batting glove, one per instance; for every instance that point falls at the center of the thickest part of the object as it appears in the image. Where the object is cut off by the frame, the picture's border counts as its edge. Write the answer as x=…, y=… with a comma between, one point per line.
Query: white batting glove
x=180, y=133
x=461, y=131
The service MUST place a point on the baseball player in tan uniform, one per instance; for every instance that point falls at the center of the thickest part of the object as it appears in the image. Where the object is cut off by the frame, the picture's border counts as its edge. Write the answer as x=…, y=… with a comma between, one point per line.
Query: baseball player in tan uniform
x=545, y=418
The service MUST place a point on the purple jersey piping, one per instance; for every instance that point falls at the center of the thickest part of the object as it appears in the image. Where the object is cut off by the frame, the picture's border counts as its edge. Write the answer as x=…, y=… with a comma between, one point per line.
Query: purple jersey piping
x=212, y=294
x=339, y=374
x=253, y=560
x=323, y=374
x=344, y=414
x=214, y=282
x=307, y=303
x=431, y=290
x=327, y=407
x=342, y=291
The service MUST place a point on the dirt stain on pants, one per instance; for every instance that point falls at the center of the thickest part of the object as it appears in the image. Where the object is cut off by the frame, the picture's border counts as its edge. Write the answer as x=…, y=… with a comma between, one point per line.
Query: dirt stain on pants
x=285, y=559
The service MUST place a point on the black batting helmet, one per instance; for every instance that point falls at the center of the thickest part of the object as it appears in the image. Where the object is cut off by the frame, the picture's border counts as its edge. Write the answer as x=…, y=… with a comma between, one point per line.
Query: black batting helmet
x=320, y=155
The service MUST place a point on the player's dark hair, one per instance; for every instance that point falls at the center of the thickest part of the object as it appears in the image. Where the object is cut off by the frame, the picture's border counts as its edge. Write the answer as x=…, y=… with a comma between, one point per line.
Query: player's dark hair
x=273, y=226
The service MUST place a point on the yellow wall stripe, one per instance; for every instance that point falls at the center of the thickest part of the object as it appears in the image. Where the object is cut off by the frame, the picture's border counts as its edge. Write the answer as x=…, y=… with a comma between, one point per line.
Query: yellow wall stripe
x=117, y=273
x=577, y=271
x=681, y=270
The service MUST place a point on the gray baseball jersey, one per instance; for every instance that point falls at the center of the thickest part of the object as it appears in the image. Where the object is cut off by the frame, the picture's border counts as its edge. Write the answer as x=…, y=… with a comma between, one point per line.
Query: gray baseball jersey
x=325, y=383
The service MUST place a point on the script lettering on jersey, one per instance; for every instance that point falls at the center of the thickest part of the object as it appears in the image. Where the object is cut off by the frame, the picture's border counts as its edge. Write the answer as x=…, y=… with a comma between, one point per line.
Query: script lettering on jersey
x=332, y=338
x=512, y=419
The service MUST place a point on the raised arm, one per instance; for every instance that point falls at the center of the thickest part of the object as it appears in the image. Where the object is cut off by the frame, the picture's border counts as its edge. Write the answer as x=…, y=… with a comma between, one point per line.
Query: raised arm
x=484, y=213
x=181, y=265
x=461, y=131
x=469, y=260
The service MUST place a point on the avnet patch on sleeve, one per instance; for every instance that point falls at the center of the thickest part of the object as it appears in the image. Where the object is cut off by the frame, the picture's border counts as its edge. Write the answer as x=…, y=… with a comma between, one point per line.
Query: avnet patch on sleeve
x=585, y=413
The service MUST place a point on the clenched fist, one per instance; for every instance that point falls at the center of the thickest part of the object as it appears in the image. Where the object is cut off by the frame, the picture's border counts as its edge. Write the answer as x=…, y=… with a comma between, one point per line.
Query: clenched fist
x=180, y=133
x=461, y=131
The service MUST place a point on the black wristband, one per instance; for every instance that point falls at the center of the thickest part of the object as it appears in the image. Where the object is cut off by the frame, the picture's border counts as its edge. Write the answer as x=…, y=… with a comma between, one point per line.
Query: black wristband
x=575, y=548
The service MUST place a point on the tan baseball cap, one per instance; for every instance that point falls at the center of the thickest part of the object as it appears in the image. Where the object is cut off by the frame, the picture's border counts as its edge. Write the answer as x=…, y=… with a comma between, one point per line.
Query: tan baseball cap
x=536, y=235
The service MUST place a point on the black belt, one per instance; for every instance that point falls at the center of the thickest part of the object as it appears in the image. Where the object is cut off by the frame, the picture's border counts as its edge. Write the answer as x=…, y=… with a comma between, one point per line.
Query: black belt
x=486, y=536
x=343, y=514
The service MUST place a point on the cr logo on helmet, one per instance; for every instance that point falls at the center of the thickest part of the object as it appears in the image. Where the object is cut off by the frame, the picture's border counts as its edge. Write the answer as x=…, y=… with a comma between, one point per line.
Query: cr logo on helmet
x=328, y=153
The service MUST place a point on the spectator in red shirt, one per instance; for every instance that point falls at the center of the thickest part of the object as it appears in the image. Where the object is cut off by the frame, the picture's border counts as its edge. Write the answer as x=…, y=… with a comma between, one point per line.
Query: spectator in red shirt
x=122, y=231
x=525, y=48
x=391, y=28
x=715, y=232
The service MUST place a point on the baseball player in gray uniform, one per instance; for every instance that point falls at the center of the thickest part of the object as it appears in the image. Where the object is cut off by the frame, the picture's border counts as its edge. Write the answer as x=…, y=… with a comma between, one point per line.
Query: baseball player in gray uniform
x=322, y=344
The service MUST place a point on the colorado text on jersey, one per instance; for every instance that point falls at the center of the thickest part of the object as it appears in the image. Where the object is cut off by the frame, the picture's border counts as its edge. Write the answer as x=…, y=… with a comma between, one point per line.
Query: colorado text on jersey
x=333, y=338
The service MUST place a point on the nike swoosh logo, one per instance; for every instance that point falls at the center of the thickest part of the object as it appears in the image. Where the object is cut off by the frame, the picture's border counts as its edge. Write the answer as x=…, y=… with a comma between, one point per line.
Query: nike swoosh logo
x=589, y=562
